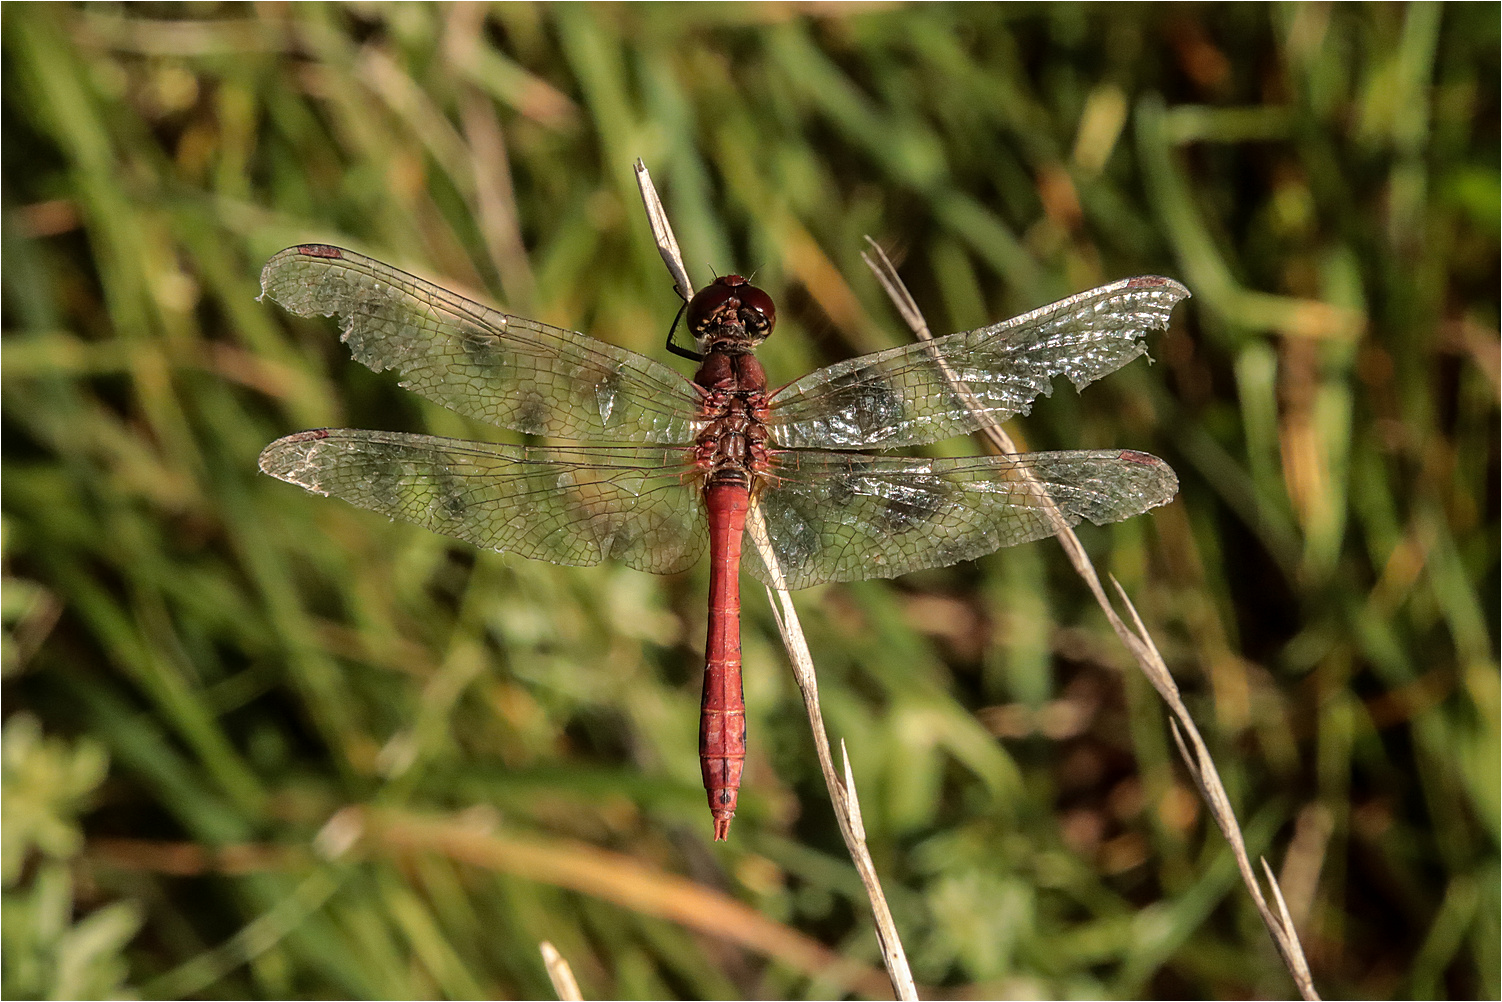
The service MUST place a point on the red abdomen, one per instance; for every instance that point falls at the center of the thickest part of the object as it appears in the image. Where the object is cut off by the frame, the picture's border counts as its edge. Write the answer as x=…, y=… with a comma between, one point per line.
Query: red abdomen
x=722, y=717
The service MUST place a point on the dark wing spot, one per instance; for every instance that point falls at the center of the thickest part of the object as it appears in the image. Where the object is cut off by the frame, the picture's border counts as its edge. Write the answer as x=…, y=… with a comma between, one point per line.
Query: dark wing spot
x=869, y=403
x=532, y=414
x=450, y=499
x=837, y=487
x=840, y=491
x=626, y=540
x=482, y=349
x=905, y=509
x=383, y=476
x=792, y=528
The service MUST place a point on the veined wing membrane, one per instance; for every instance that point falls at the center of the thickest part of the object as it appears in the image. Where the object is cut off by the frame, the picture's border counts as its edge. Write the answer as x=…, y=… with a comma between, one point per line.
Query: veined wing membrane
x=907, y=396
x=506, y=370
x=847, y=516
x=578, y=505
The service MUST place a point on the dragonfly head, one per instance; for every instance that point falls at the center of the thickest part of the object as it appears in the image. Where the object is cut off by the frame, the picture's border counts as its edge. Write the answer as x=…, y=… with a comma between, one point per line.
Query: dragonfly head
x=731, y=310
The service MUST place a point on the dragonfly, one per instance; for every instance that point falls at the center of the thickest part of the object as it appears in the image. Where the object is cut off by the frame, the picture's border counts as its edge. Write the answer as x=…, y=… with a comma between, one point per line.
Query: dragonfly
x=653, y=469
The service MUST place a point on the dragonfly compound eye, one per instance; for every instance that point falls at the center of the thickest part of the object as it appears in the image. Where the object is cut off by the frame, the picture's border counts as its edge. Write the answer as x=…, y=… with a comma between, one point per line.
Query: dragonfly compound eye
x=708, y=304
x=758, y=312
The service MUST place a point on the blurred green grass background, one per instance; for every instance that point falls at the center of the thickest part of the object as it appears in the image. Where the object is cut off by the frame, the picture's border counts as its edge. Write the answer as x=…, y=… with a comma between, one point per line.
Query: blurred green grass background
x=203, y=666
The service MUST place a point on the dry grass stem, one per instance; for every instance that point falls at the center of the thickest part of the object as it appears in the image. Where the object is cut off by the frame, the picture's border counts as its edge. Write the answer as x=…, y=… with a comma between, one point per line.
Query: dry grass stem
x=1143, y=650
x=842, y=794
x=662, y=233
x=562, y=976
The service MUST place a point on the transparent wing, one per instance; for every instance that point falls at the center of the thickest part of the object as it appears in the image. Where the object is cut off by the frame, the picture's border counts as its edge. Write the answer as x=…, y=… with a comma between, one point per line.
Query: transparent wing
x=569, y=506
x=904, y=396
x=506, y=370
x=846, y=516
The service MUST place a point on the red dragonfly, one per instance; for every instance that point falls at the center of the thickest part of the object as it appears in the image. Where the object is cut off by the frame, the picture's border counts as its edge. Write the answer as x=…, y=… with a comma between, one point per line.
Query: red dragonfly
x=699, y=454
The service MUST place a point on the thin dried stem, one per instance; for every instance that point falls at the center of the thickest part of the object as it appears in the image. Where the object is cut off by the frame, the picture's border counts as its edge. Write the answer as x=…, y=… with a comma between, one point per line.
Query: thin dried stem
x=841, y=793
x=1143, y=650
x=662, y=233
x=565, y=985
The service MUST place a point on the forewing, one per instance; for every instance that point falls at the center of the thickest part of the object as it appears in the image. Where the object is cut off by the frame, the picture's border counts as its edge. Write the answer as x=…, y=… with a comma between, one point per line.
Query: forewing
x=846, y=516
x=909, y=395
x=568, y=506
x=506, y=370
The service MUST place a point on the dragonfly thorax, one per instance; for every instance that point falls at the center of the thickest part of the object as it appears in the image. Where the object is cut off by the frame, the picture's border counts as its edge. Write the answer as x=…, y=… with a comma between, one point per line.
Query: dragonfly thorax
x=732, y=444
